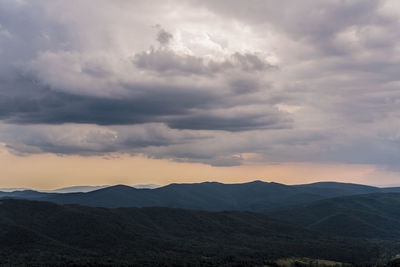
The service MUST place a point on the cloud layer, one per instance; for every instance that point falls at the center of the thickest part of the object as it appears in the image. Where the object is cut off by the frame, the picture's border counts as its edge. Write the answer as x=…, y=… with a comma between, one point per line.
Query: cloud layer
x=212, y=82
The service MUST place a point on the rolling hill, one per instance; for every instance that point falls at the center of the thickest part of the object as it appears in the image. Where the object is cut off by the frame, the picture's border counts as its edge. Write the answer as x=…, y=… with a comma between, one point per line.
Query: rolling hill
x=374, y=215
x=333, y=189
x=44, y=233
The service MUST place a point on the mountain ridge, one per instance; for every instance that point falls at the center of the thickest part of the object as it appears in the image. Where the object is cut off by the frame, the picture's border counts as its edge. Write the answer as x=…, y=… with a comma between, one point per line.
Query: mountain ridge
x=255, y=196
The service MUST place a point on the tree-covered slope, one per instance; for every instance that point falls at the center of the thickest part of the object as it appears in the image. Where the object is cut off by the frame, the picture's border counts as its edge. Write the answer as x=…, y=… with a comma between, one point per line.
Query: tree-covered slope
x=370, y=215
x=44, y=233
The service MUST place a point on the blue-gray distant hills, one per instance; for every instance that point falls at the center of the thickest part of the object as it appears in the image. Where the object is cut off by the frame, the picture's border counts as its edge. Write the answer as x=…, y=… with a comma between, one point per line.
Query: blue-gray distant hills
x=85, y=189
x=254, y=196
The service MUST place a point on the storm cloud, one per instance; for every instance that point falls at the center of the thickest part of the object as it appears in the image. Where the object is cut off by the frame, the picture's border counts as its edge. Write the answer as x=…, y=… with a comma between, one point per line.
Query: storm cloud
x=316, y=81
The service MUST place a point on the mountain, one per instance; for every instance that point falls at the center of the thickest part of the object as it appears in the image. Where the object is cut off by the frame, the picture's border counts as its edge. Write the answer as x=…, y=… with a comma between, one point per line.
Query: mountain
x=253, y=196
x=76, y=189
x=212, y=196
x=85, y=189
x=391, y=189
x=374, y=215
x=146, y=186
x=12, y=189
x=19, y=192
x=24, y=194
x=46, y=234
x=333, y=189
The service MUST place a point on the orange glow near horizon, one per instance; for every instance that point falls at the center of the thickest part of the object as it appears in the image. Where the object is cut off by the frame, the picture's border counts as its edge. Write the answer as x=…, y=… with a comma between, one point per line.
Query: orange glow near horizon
x=48, y=171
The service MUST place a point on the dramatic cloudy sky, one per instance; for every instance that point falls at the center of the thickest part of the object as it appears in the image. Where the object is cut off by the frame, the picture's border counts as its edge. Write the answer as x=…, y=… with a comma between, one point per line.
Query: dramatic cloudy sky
x=117, y=91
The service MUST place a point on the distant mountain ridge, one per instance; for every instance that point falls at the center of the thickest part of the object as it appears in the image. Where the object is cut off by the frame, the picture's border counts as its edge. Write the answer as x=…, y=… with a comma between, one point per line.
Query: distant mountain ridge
x=77, y=189
x=255, y=196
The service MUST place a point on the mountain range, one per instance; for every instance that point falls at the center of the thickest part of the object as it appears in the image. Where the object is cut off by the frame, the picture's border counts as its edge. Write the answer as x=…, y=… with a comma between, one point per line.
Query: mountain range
x=203, y=224
x=77, y=189
x=254, y=196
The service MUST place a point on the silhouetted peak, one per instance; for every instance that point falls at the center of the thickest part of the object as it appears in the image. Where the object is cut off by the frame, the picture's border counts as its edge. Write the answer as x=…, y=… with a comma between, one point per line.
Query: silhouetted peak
x=257, y=182
x=119, y=187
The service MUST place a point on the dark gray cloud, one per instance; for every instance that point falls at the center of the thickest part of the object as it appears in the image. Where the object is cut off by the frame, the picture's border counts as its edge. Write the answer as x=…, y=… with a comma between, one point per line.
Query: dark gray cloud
x=244, y=85
x=233, y=122
x=165, y=60
x=163, y=37
x=87, y=140
x=312, y=81
x=33, y=103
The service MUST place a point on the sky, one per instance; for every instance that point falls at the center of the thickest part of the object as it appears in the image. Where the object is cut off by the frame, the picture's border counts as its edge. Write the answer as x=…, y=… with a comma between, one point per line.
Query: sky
x=99, y=92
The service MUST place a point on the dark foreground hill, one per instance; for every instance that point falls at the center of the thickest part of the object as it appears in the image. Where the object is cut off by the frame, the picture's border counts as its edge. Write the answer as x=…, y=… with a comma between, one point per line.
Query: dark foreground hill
x=254, y=196
x=370, y=215
x=41, y=233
